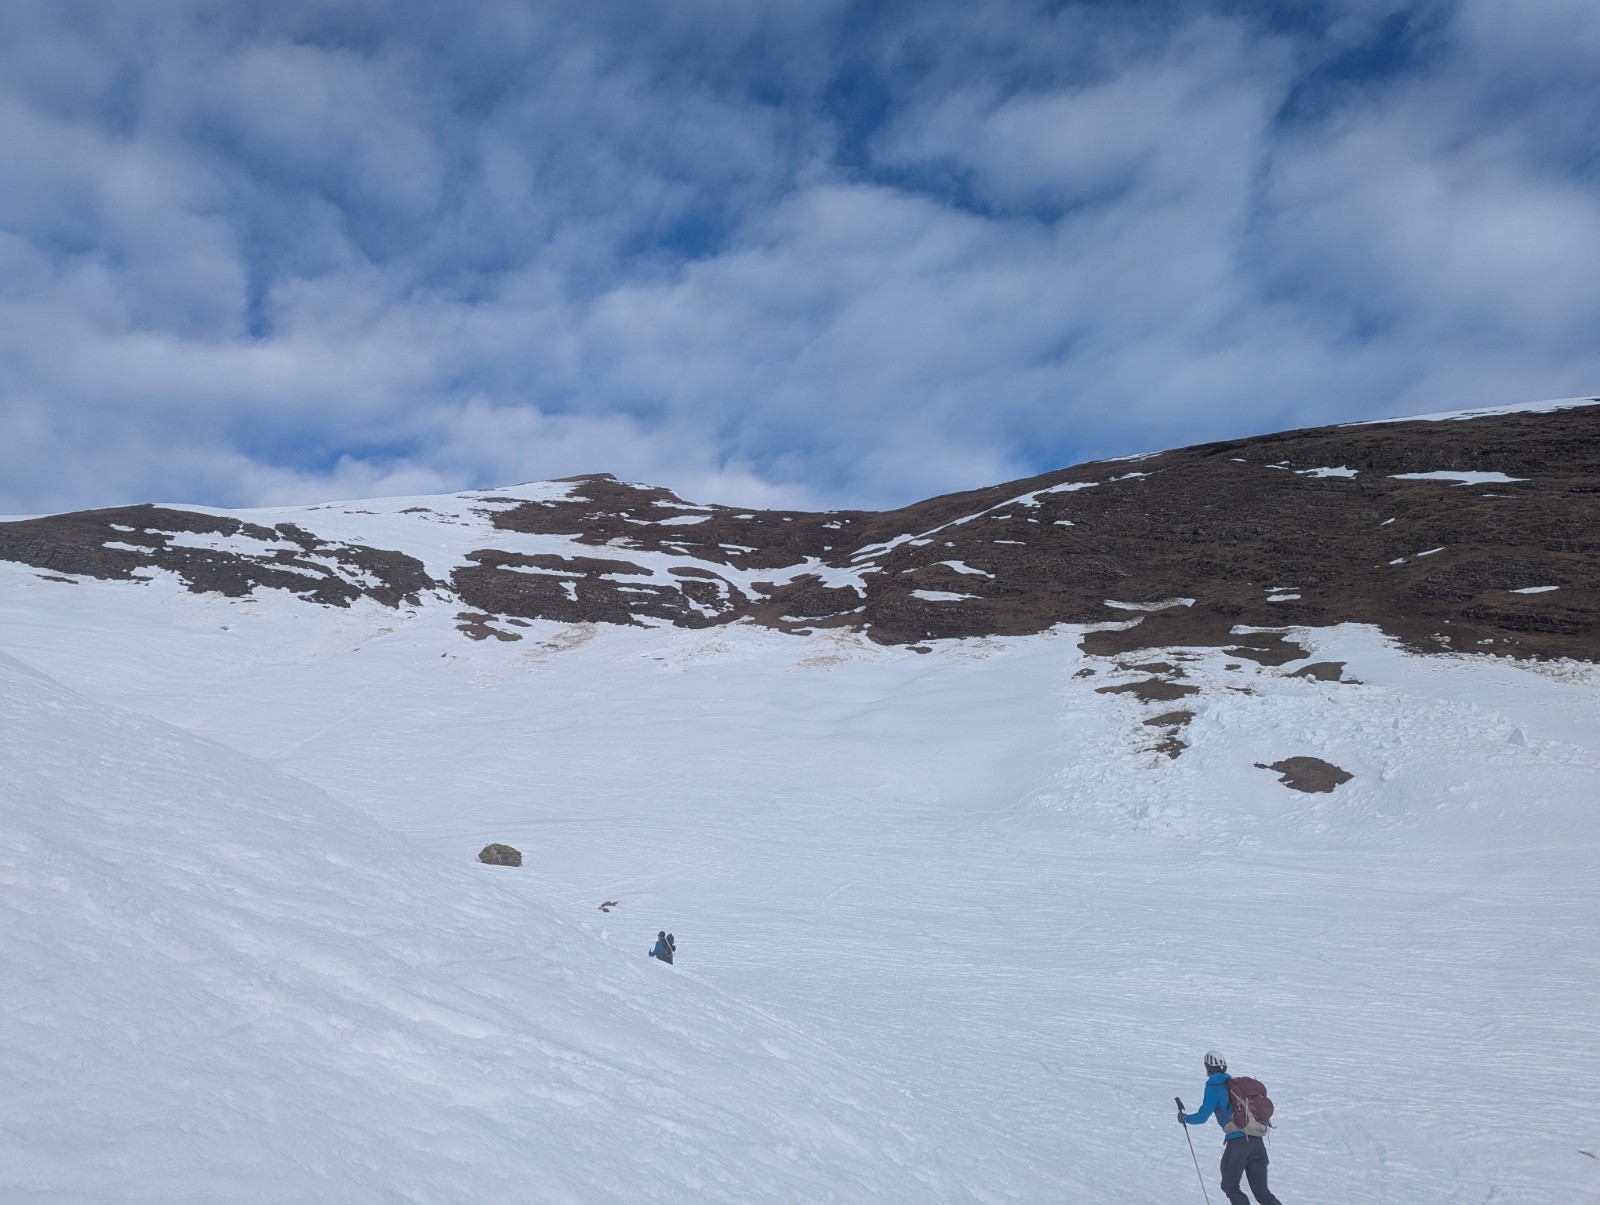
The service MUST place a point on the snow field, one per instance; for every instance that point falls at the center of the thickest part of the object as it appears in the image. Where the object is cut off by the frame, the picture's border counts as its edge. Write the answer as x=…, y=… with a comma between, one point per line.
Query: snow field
x=223, y=986
x=954, y=889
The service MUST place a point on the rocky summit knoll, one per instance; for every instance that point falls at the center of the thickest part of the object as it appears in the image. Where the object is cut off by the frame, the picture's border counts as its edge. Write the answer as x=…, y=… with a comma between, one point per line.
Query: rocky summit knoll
x=1473, y=533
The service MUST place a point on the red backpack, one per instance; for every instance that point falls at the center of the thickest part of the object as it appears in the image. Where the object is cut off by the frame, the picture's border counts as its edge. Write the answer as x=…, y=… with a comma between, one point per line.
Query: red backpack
x=1252, y=1109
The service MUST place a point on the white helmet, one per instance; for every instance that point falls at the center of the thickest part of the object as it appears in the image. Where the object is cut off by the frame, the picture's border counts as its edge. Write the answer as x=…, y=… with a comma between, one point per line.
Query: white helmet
x=1215, y=1061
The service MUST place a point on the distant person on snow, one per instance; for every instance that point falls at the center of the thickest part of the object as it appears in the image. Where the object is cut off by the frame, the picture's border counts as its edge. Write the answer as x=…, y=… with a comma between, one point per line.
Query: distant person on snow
x=1242, y=1109
x=664, y=948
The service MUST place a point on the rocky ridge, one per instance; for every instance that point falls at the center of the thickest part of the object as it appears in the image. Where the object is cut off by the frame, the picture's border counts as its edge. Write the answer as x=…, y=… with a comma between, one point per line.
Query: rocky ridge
x=1478, y=533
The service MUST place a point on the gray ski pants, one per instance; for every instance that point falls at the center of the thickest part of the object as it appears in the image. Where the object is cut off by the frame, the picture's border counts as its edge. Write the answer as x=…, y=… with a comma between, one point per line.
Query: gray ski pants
x=1246, y=1157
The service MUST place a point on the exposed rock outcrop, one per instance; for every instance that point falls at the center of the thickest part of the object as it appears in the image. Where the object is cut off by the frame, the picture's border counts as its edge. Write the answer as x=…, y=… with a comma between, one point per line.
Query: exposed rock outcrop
x=213, y=553
x=496, y=854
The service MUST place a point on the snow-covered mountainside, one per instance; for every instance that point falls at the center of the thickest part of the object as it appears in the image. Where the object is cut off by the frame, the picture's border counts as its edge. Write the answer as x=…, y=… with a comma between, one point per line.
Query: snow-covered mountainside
x=976, y=822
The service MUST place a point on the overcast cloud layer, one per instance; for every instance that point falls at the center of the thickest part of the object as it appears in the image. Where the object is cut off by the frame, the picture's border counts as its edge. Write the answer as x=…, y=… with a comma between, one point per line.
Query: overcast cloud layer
x=805, y=252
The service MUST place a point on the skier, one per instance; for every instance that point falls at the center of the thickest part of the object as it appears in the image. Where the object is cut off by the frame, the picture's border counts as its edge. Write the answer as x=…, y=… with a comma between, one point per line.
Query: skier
x=1242, y=1154
x=664, y=948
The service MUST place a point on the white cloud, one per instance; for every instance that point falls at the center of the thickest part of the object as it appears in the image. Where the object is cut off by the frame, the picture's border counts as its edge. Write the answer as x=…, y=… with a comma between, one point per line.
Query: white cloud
x=273, y=254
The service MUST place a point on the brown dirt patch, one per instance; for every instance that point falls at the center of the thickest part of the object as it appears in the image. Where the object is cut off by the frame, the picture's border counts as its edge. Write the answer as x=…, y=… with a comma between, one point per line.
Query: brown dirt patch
x=1321, y=671
x=1170, y=743
x=1172, y=719
x=481, y=627
x=1309, y=774
x=1150, y=690
x=1267, y=648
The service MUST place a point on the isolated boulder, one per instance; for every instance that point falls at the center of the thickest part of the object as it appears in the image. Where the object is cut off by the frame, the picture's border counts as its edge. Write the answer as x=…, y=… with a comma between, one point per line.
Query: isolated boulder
x=496, y=854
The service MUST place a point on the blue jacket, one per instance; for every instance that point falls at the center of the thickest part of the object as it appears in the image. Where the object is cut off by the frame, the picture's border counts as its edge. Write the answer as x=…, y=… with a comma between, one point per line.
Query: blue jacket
x=1215, y=1105
x=659, y=950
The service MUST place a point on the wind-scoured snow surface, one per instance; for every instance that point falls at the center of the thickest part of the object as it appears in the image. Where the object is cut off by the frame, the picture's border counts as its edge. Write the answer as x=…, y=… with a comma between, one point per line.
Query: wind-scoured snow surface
x=949, y=928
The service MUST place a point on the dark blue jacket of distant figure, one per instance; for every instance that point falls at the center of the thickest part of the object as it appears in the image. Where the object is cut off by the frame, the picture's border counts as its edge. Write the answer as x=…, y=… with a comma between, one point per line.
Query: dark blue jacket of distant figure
x=1215, y=1105
x=661, y=950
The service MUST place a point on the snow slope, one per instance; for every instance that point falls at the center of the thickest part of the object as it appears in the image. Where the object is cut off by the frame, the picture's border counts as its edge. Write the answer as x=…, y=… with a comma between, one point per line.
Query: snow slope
x=222, y=985
x=949, y=930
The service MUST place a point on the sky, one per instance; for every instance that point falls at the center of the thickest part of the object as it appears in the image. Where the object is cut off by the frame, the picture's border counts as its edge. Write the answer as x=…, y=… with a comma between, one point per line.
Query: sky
x=805, y=253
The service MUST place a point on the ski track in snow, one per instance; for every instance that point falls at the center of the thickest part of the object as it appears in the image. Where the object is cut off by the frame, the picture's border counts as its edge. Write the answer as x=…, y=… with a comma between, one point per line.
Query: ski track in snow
x=948, y=930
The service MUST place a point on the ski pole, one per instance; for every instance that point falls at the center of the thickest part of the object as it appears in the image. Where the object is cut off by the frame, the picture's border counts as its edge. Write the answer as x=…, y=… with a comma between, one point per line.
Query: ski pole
x=1192, y=1155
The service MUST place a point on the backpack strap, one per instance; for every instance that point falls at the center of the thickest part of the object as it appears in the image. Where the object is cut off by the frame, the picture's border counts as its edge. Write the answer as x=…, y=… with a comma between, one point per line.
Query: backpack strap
x=1229, y=1109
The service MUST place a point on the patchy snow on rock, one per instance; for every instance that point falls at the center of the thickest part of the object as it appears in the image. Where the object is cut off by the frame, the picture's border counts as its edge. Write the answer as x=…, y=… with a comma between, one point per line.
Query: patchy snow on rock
x=1066, y=487
x=940, y=596
x=854, y=577
x=526, y=491
x=1149, y=606
x=963, y=567
x=874, y=551
x=1341, y=471
x=1466, y=477
x=240, y=543
x=678, y=520
x=1536, y=590
x=1543, y=407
